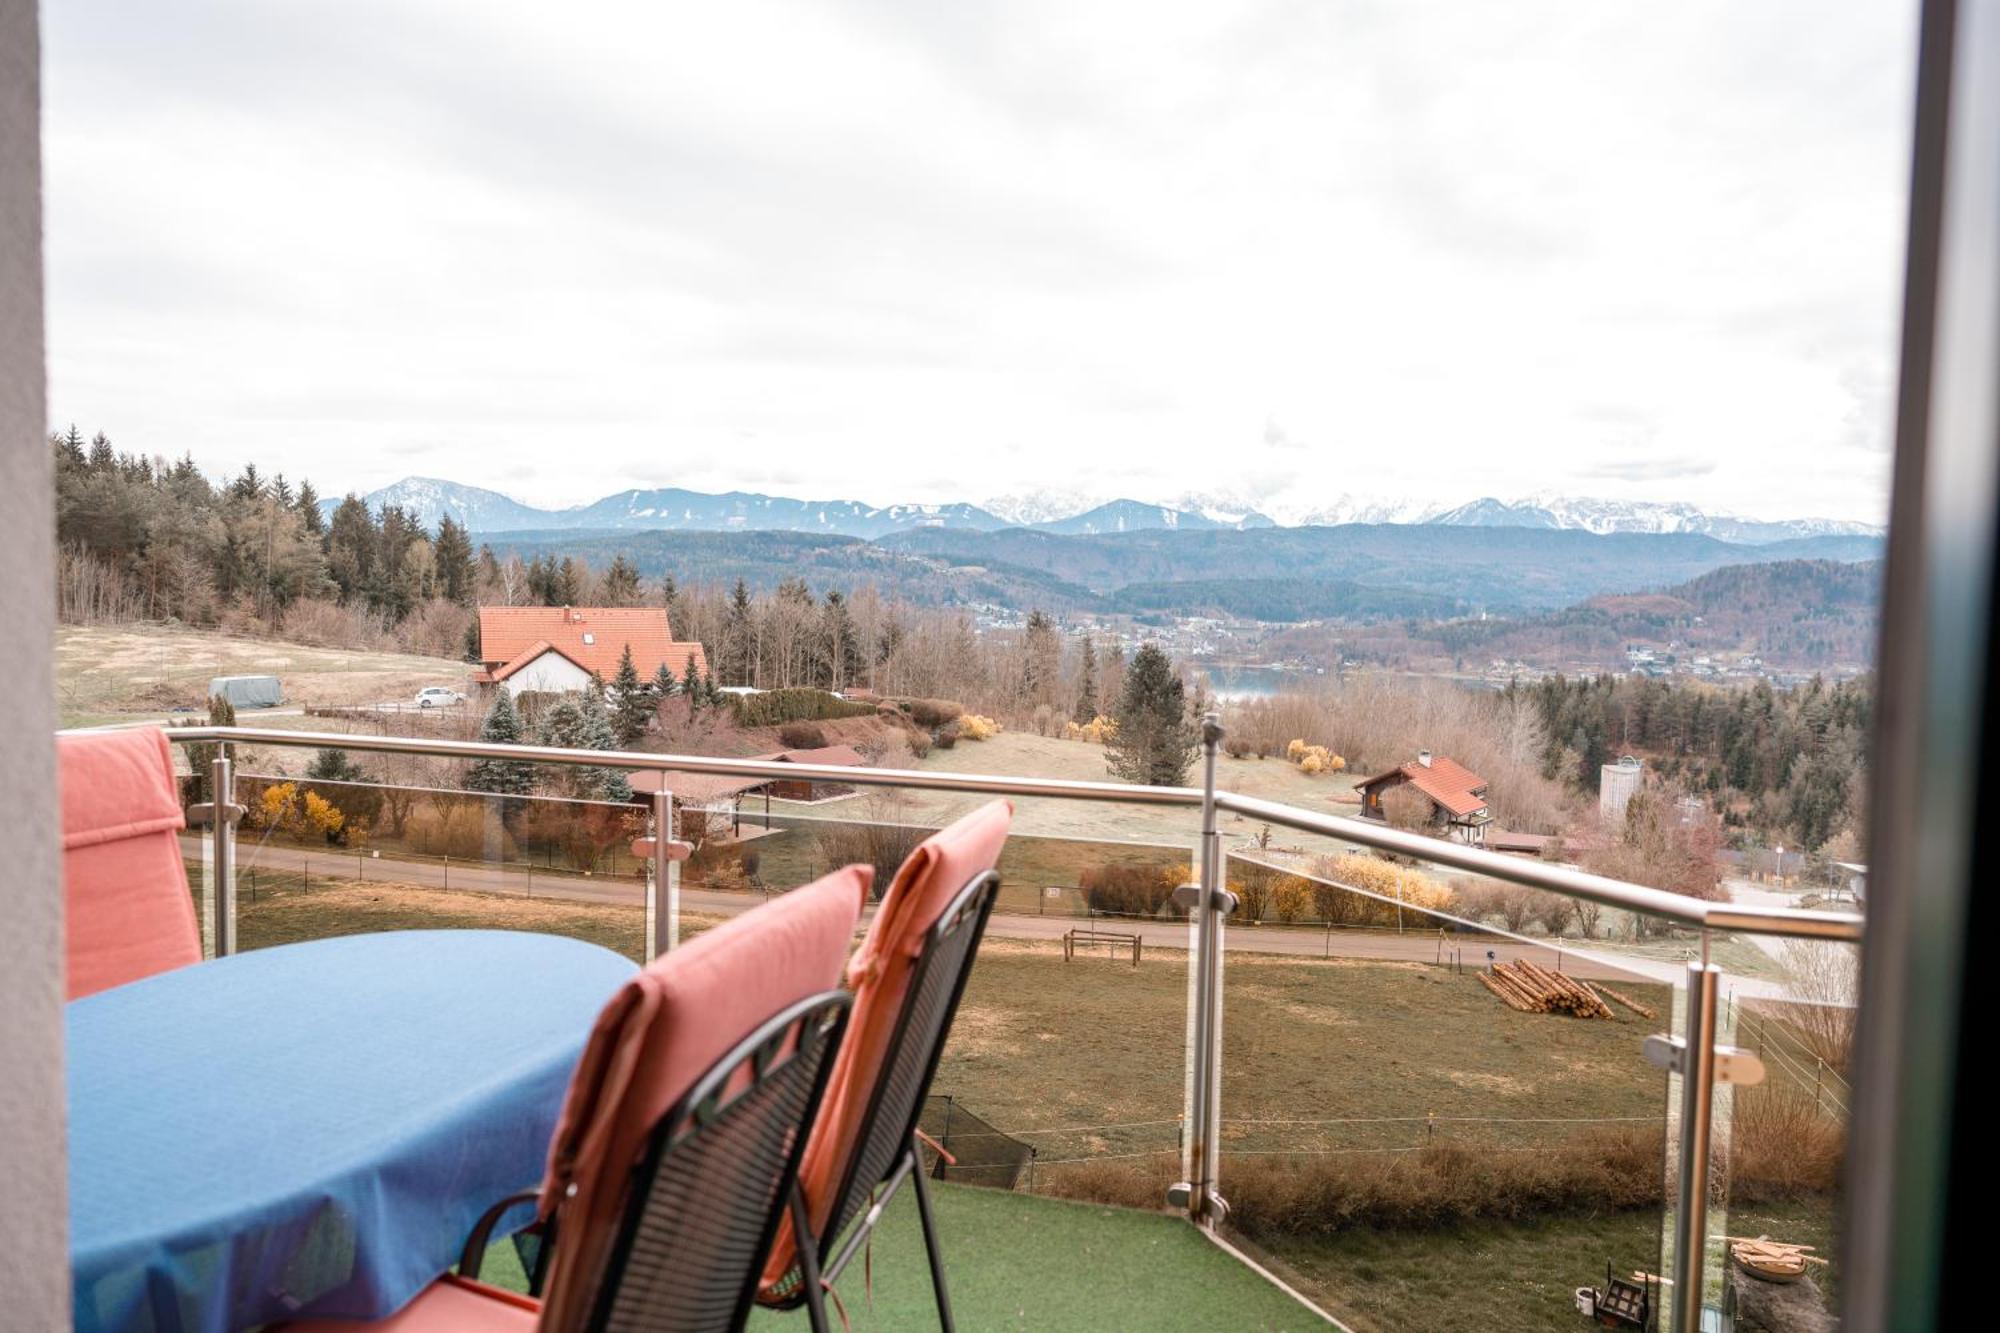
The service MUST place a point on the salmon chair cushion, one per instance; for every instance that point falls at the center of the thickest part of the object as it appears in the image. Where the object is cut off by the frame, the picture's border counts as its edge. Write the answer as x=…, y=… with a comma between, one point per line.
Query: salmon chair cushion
x=657, y=1037
x=125, y=889
x=880, y=975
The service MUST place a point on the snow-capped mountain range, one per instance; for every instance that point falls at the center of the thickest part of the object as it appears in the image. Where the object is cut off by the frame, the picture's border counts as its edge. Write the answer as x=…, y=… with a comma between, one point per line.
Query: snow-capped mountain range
x=428, y=499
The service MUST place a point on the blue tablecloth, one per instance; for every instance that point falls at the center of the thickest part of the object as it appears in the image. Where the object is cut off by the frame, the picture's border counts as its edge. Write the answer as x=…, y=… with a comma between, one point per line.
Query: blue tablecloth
x=313, y=1129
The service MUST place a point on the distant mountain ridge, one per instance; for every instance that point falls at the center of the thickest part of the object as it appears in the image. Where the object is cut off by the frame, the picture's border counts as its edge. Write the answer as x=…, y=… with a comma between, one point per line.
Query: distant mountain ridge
x=427, y=499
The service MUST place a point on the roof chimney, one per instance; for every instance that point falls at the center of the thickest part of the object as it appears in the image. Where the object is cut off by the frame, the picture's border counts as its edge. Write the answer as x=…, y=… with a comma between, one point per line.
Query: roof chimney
x=1424, y=758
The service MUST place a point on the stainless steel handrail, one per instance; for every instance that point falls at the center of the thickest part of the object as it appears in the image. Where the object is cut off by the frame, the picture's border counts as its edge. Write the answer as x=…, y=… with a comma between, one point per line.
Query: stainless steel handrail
x=1784, y=922
x=976, y=783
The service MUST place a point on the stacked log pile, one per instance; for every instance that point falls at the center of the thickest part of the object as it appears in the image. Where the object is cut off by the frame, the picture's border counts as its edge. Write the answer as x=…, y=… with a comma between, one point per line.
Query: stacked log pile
x=1642, y=1010
x=1536, y=990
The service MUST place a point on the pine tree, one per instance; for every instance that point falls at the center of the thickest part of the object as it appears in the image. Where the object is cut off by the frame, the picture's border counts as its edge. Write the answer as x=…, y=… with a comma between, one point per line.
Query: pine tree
x=581, y=722
x=1155, y=741
x=1086, y=691
x=632, y=702
x=504, y=777
x=691, y=683
x=458, y=579
x=1044, y=650
x=69, y=448
x=737, y=635
x=620, y=586
x=102, y=456
x=670, y=600
x=600, y=734
x=664, y=685
x=307, y=505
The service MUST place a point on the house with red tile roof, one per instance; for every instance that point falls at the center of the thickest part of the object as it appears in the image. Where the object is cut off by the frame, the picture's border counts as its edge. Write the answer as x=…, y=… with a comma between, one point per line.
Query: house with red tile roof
x=557, y=649
x=1456, y=794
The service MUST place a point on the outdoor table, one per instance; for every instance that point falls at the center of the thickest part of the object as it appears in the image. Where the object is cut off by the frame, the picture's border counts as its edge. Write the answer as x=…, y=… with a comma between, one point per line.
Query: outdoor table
x=313, y=1129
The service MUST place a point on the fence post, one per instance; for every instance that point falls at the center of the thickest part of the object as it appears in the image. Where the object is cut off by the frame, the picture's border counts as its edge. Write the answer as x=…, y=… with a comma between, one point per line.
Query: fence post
x=1210, y=902
x=447, y=870
x=663, y=886
x=222, y=829
x=1697, y=1106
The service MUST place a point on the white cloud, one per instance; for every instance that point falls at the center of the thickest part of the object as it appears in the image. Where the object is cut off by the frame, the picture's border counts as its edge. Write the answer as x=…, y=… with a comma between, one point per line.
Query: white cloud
x=921, y=253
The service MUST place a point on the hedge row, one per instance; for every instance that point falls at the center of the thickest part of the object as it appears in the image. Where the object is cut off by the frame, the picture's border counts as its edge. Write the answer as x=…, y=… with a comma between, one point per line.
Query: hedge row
x=777, y=707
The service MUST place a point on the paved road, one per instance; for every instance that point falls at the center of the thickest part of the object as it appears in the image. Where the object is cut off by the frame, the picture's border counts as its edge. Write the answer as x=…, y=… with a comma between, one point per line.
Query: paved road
x=1415, y=946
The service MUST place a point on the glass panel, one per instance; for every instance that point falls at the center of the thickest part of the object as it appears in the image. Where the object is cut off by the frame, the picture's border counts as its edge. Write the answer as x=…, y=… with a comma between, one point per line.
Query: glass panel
x=393, y=844
x=1779, y=1145
x=1436, y=1109
x=1065, y=1072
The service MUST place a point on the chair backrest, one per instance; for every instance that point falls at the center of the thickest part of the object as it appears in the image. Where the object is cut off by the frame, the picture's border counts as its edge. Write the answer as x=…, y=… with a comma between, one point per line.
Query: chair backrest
x=704, y=1203
x=685, y=1018
x=907, y=978
x=125, y=891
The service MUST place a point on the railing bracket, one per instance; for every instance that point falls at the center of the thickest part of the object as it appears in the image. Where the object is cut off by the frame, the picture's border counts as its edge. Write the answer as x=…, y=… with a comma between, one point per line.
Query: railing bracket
x=1188, y=897
x=1733, y=1064
x=202, y=815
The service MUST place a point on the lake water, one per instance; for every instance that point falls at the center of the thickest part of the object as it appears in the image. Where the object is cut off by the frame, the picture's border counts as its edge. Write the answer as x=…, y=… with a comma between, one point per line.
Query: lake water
x=1227, y=681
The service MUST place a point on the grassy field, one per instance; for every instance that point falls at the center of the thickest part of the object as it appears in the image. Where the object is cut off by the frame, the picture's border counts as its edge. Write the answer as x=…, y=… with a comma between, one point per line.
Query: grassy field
x=1042, y=756
x=1501, y=1276
x=107, y=673
x=1094, y=1049
x=1029, y=865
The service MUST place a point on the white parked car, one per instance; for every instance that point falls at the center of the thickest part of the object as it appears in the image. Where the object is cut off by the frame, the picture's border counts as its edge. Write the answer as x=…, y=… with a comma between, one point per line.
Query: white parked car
x=438, y=696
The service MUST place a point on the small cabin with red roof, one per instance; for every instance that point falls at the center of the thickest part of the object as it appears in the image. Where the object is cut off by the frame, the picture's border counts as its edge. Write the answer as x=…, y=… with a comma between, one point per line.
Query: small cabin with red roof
x=559, y=649
x=1456, y=794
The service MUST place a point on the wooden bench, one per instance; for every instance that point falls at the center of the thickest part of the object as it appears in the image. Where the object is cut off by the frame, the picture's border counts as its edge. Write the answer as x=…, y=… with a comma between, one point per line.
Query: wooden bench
x=1085, y=936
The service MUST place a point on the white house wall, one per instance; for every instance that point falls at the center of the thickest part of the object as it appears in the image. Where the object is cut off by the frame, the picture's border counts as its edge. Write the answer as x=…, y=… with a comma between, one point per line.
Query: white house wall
x=551, y=673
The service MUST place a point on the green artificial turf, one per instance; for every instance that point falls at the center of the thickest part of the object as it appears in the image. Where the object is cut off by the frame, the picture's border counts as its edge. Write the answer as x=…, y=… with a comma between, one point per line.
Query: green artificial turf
x=1016, y=1261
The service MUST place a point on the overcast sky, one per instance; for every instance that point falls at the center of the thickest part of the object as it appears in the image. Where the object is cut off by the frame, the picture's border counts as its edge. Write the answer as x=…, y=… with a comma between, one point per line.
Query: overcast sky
x=938, y=251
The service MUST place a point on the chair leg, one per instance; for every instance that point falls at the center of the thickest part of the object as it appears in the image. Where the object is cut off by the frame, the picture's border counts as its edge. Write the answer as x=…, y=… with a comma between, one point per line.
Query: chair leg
x=931, y=1244
x=807, y=1247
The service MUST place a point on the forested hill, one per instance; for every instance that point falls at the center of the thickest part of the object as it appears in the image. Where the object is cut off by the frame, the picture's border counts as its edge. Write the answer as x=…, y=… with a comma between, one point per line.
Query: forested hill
x=1508, y=570
x=1797, y=614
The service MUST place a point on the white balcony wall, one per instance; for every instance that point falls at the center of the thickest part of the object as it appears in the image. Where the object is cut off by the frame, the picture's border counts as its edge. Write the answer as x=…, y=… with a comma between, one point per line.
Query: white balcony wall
x=34, y=1211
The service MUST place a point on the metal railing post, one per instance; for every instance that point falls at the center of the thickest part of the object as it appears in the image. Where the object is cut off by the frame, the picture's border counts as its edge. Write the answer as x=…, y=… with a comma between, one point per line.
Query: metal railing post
x=663, y=886
x=222, y=828
x=1211, y=903
x=1697, y=1121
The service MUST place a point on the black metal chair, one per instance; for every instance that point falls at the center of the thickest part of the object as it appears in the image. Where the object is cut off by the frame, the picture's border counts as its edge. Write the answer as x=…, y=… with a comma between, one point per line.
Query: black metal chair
x=705, y=1198
x=887, y=1149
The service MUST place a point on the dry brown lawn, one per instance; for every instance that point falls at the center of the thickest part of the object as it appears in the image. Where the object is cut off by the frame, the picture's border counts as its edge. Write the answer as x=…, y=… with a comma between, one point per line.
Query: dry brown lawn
x=107, y=673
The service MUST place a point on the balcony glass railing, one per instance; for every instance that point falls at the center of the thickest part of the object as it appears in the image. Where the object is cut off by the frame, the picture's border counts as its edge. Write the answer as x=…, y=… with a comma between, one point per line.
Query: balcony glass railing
x=1336, y=1027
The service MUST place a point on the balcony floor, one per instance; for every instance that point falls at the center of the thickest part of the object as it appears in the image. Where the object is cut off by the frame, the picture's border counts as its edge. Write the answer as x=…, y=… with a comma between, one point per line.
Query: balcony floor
x=1016, y=1261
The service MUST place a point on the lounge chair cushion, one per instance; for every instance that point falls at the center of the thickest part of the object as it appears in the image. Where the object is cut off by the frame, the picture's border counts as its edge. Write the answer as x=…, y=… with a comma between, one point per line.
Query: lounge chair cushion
x=880, y=974
x=662, y=1031
x=125, y=890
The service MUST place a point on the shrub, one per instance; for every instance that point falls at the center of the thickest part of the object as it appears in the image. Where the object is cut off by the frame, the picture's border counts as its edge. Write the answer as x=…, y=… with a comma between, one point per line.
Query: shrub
x=931, y=712
x=1096, y=731
x=802, y=736
x=947, y=736
x=1314, y=759
x=883, y=842
x=1292, y=900
x=1446, y=1184
x=919, y=743
x=777, y=707
x=975, y=727
x=1782, y=1145
x=1374, y=876
x=1130, y=890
